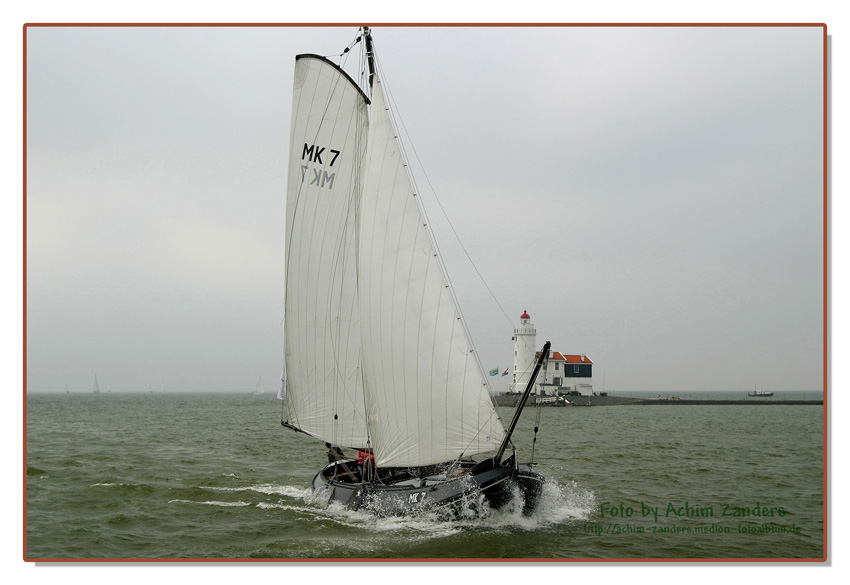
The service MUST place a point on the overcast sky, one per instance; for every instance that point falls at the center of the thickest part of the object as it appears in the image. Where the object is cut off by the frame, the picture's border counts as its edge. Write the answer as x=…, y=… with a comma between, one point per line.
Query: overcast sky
x=651, y=196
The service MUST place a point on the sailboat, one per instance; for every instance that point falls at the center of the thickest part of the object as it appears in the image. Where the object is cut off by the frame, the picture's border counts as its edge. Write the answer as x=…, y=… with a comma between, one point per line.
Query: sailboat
x=96, y=385
x=378, y=360
x=259, y=389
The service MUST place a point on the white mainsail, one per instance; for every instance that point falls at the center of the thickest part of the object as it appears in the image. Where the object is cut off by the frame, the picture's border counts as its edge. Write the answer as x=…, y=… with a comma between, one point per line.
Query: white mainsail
x=426, y=395
x=322, y=356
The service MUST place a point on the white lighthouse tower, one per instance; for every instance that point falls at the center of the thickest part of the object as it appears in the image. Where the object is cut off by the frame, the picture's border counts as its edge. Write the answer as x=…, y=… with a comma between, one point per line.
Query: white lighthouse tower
x=525, y=337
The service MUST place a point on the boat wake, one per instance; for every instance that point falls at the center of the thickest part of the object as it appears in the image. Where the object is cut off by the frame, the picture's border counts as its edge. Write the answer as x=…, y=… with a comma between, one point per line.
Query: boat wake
x=335, y=530
x=558, y=505
x=212, y=503
x=281, y=491
x=266, y=489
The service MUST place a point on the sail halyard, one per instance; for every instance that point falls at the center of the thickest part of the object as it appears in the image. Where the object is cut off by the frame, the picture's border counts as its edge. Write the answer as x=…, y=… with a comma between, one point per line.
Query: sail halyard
x=427, y=397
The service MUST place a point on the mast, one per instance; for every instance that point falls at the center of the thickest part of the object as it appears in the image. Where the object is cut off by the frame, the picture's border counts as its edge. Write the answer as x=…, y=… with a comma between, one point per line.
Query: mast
x=543, y=355
x=370, y=53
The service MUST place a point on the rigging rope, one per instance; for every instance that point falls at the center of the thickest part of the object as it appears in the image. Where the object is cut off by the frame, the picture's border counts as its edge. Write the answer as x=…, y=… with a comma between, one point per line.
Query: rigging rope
x=538, y=406
x=349, y=47
x=398, y=124
x=397, y=115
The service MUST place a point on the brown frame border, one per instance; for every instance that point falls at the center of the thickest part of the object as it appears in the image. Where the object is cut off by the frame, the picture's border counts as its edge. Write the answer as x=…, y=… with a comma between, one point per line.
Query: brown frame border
x=438, y=24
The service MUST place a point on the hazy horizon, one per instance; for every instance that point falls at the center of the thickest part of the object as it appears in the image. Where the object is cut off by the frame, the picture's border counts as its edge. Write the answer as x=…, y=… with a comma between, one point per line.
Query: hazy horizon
x=652, y=196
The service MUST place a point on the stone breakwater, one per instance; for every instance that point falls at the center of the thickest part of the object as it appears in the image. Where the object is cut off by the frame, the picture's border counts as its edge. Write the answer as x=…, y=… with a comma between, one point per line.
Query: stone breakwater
x=512, y=400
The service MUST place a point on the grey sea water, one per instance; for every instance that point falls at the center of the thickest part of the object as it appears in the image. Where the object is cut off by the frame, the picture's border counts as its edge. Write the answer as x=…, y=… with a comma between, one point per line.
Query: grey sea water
x=171, y=476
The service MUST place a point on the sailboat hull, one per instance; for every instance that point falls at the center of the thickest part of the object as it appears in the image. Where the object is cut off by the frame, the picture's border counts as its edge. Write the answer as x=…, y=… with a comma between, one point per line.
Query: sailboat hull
x=498, y=485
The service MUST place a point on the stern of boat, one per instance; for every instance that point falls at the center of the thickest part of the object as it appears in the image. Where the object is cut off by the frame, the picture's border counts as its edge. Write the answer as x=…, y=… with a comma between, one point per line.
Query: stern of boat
x=338, y=485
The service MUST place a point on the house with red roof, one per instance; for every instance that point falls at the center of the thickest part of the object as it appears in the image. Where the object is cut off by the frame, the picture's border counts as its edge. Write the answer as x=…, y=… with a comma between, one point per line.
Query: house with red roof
x=567, y=375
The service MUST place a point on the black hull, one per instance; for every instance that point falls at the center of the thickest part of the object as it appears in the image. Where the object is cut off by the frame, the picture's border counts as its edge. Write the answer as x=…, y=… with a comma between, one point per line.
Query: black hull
x=407, y=495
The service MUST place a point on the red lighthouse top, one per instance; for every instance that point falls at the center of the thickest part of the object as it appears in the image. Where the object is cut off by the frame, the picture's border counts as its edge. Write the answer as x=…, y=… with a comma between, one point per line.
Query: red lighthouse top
x=525, y=315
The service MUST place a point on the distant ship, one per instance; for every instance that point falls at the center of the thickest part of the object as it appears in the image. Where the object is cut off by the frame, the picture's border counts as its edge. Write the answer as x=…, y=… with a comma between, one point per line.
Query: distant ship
x=757, y=392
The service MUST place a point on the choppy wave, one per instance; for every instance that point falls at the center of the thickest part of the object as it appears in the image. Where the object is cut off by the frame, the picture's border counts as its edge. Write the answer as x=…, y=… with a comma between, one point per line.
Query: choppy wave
x=128, y=487
x=163, y=491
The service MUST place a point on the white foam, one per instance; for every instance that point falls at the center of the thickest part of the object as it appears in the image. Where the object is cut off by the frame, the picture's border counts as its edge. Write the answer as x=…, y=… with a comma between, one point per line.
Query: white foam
x=558, y=504
x=268, y=489
x=212, y=503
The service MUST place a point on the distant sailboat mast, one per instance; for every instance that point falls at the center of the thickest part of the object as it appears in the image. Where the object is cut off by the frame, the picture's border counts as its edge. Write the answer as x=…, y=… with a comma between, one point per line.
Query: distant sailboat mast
x=259, y=389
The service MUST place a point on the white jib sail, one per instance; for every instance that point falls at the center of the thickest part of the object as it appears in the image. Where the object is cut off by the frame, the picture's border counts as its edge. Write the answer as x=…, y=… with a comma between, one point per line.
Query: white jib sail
x=324, y=390
x=426, y=396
